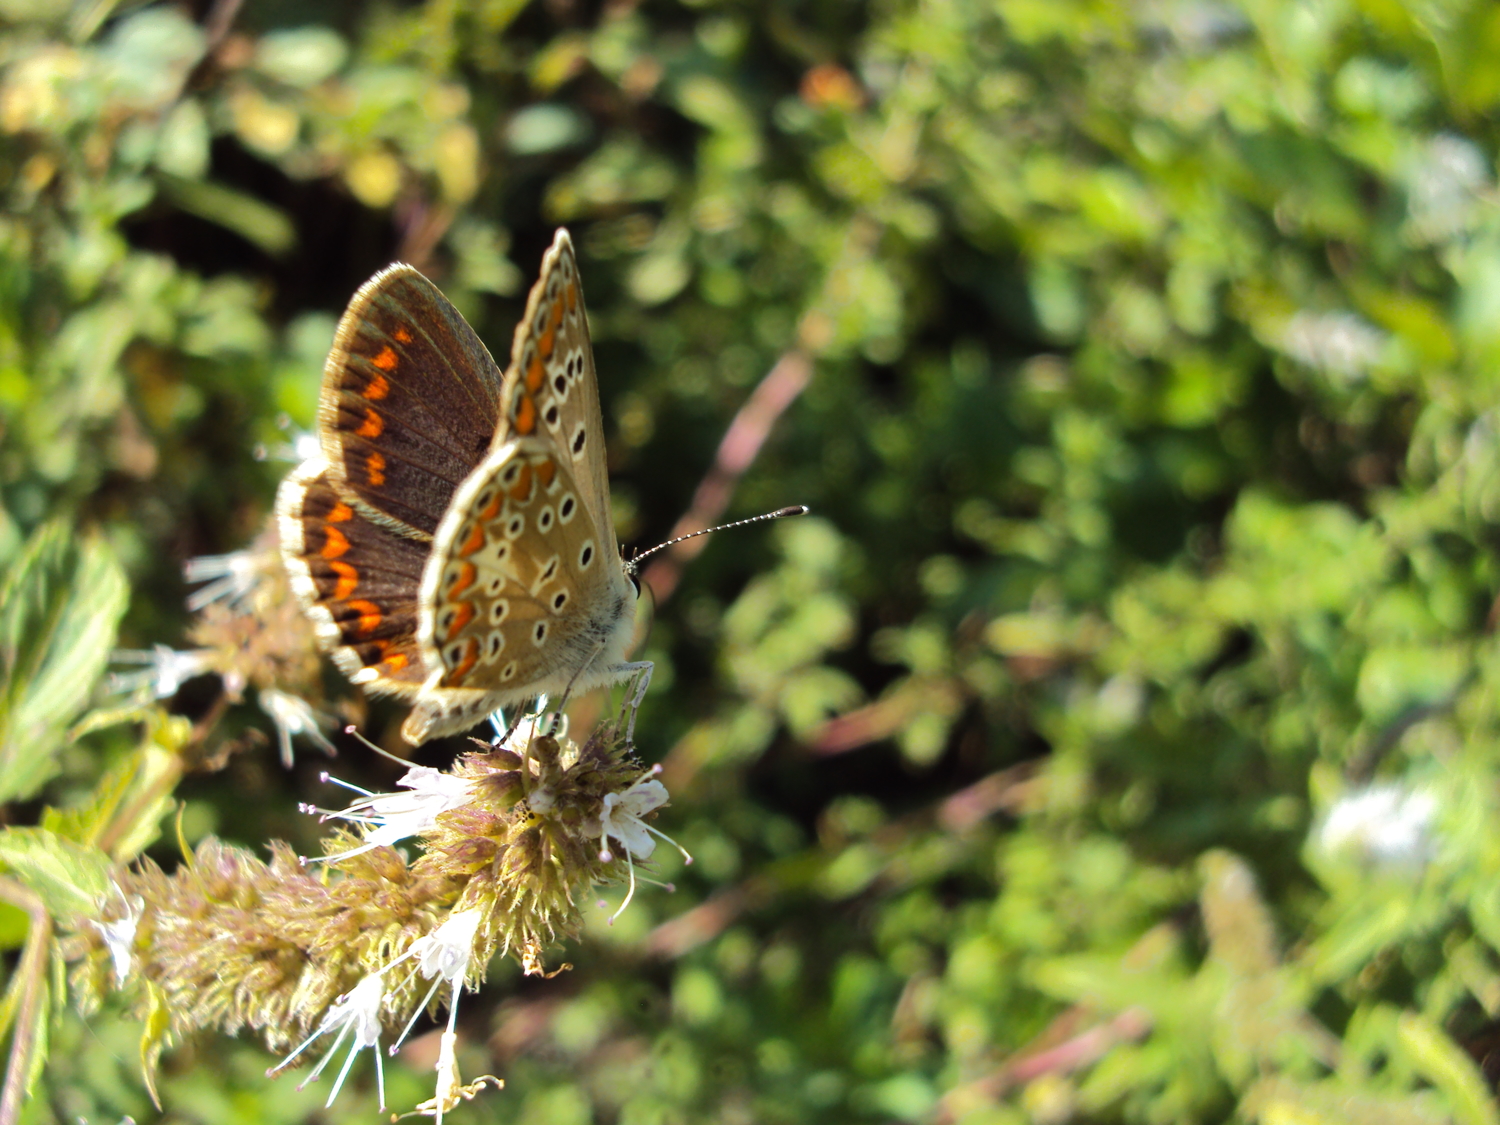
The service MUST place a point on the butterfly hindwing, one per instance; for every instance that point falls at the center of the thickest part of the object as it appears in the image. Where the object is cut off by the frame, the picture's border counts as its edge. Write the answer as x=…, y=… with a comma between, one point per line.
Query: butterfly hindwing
x=410, y=400
x=357, y=581
x=519, y=597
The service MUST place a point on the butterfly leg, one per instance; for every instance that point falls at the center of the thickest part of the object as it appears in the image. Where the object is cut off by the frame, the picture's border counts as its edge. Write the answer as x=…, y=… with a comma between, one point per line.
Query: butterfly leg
x=639, y=674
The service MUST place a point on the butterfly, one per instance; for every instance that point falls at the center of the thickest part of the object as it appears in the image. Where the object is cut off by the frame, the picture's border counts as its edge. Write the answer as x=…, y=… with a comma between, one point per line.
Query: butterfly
x=451, y=540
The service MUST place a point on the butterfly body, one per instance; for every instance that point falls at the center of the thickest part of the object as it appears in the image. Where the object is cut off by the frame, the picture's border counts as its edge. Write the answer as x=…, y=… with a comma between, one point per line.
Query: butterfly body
x=452, y=540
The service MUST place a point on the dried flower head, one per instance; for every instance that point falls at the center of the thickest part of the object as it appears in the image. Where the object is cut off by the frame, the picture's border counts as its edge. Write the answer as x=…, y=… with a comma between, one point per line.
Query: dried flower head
x=364, y=940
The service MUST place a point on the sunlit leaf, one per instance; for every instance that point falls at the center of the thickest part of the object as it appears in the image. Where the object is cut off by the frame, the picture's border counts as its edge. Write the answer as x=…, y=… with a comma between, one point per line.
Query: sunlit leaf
x=59, y=608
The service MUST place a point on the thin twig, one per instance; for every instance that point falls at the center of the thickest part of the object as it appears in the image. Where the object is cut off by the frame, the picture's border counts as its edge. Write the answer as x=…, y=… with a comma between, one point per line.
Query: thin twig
x=218, y=23
x=31, y=975
x=737, y=452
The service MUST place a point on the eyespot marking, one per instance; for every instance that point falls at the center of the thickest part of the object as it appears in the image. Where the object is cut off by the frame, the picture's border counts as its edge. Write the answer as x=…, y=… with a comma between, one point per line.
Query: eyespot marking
x=566, y=509
x=586, y=555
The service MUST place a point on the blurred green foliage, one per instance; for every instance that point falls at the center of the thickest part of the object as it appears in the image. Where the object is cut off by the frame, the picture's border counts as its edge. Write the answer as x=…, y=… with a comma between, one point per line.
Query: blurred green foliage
x=1118, y=740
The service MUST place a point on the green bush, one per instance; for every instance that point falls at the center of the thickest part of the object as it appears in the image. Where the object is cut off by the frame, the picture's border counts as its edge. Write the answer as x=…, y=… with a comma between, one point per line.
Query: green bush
x=1115, y=741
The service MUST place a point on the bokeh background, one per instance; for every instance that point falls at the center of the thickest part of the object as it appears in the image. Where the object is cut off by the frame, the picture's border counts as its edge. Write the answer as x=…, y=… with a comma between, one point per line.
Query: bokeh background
x=1116, y=742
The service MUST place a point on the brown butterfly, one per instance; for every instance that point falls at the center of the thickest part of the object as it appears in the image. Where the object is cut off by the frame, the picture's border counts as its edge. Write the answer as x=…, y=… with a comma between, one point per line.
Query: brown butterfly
x=452, y=540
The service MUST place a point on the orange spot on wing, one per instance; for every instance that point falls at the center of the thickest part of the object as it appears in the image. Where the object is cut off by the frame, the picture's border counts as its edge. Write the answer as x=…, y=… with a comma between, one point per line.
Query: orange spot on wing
x=372, y=427
x=462, y=615
x=348, y=580
x=535, y=374
x=375, y=470
x=334, y=543
x=403, y=334
x=369, y=615
x=386, y=358
x=522, y=488
x=471, y=656
x=546, y=471
x=570, y=292
x=548, y=339
x=377, y=388
x=465, y=579
x=525, y=419
x=396, y=661
x=493, y=508
x=473, y=542
x=340, y=512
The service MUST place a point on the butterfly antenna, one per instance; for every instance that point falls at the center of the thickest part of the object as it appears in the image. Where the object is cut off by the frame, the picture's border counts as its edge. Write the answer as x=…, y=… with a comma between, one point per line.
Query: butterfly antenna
x=778, y=514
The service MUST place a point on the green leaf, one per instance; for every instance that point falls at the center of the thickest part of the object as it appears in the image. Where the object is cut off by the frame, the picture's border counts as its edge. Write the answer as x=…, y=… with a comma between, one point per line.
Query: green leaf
x=140, y=783
x=1443, y=1063
x=264, y=226
x=59, y=609
x=71, y=879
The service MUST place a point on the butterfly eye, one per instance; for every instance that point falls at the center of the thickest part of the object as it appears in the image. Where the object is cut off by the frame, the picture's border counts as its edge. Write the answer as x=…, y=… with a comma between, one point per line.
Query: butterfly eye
x=634, y=581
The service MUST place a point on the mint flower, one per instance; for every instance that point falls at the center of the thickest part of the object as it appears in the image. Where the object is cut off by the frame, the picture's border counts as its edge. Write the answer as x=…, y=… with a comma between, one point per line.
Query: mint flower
x=392, y=817
x=505, y=845
x=358, y=1011
x=292, y=717
x=119, y=936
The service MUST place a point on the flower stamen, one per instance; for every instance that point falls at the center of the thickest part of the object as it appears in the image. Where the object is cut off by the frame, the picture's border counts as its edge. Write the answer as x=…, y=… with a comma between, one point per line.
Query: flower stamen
x=357, y=1010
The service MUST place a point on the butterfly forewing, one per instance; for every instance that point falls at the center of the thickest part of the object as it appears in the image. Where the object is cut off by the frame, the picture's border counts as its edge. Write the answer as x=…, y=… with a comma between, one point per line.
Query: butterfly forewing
x=357, y=581
x=410, y=401
x=551, y=390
